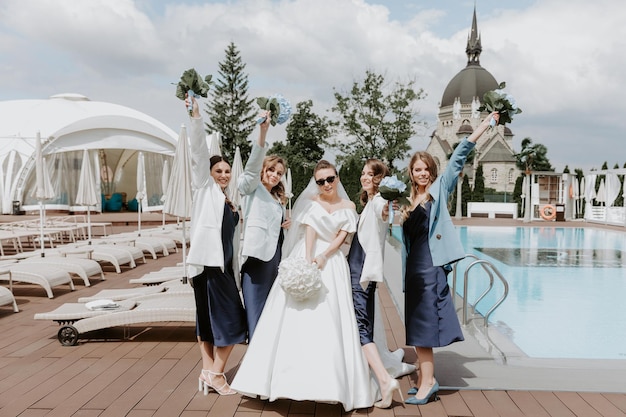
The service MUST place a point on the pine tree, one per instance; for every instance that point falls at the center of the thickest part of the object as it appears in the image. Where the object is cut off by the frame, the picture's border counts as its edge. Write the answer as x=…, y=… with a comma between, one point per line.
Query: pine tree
x=479, y=185
x=231, y=112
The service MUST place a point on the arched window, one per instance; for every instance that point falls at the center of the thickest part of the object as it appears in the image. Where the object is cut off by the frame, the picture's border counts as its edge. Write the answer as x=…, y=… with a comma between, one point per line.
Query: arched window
x=494, y=175
x=511, y=176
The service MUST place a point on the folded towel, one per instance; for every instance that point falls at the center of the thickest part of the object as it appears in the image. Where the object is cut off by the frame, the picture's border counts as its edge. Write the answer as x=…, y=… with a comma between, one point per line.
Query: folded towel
x=102, y=305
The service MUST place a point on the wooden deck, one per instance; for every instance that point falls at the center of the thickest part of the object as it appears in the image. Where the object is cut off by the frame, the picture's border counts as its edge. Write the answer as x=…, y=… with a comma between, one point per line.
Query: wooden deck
x=154, y=373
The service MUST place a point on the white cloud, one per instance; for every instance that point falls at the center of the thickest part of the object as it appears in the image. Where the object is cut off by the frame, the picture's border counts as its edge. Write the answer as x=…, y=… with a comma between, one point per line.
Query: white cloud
x=561, y=59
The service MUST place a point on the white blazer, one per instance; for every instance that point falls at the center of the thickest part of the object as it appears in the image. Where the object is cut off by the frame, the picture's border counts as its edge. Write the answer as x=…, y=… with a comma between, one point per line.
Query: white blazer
x=372, y=231
x=263, y=214
x=208, y=209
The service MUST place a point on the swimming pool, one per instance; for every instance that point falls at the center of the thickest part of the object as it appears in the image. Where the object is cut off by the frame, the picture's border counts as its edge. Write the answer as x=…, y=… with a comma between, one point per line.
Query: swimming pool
x=567, y=288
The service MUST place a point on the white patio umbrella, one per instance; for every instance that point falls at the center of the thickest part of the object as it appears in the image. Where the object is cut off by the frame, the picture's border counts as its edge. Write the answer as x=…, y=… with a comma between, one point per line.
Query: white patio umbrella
x=165, y=179
x=288, y=187
x=141, y=189
x=215, y=147
x=87, y=194
x=43, y=190
x=236, y=171
x=179, y=191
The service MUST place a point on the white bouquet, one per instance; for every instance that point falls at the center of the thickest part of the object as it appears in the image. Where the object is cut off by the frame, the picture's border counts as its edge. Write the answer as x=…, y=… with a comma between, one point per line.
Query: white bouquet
x=299, y=278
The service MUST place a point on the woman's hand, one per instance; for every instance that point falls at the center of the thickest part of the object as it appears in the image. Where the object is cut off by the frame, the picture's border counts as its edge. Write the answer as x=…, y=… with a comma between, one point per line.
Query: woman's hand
x=286, y=224
x=394, y=205
x=320, y=261
x=195, y=111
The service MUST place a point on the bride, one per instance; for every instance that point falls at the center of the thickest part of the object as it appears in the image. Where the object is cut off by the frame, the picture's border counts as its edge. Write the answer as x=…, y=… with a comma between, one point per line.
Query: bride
x=310, y=349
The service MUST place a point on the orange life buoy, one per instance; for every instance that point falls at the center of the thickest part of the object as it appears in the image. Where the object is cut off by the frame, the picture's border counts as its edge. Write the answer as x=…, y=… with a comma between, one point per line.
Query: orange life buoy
x=548, y=212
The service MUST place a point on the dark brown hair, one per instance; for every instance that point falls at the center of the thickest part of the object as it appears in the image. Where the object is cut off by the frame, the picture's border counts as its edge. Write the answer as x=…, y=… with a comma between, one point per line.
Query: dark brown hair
x=324, y=164
x=215, y=159
x=380, y=171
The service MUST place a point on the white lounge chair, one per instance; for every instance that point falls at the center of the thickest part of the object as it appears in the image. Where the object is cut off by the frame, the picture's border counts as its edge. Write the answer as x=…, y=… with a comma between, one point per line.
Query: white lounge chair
x=77, y=318
x=6, y=295
x=159, y=277
x=116, y=255
x=44, y=275
x=118, y=294
x=82, y=267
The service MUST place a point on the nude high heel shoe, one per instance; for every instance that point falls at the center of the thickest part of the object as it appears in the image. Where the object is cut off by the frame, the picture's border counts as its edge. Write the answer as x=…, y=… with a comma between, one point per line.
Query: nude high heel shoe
x=203, y=381
x=387, y=394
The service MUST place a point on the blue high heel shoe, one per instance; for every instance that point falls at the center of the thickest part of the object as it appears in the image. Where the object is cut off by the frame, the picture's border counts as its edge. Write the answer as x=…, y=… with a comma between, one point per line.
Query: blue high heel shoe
x=421, y=401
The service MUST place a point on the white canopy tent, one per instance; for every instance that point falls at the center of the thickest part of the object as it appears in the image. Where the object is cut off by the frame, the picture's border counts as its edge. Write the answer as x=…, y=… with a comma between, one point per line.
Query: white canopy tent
x=70, y=123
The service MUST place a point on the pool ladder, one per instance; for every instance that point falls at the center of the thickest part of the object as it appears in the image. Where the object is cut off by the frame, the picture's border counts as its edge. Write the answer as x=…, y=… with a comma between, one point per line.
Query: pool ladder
x=491, y=270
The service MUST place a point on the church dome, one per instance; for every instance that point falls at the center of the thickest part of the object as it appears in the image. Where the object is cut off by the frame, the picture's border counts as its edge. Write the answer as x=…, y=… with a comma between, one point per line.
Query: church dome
x=507, y=131
x=472, y=81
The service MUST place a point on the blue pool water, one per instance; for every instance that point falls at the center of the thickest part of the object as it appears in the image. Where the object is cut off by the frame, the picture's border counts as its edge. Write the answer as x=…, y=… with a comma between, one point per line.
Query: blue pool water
x=567, y=288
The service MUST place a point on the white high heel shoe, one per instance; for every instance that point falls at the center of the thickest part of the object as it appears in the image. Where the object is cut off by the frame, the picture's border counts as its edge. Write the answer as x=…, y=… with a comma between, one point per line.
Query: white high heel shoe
x=203, y=381
x=387, y=394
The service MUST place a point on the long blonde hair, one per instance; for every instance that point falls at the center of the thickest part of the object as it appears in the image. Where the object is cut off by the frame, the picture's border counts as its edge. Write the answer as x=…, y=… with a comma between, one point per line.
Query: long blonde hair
x=431, y=166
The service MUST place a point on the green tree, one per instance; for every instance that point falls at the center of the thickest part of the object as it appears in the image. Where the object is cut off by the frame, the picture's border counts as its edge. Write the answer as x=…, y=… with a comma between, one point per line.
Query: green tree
x=533, y=157
x=377, y=123
x=306, y=133
x=350, y=174
x=479, y=185
x=230, y=111
x=466, y=195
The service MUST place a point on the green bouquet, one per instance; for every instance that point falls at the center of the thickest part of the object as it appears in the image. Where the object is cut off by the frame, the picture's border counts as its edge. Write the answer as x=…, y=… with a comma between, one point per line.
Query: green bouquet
x=503, y=103
x=193, y=85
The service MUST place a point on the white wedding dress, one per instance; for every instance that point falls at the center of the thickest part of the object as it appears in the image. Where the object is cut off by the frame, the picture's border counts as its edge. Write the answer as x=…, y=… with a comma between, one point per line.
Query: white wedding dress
x=310, y=350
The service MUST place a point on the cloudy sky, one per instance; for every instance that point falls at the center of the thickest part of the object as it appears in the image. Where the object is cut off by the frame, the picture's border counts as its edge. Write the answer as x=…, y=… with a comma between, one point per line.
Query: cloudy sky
x=563, y=60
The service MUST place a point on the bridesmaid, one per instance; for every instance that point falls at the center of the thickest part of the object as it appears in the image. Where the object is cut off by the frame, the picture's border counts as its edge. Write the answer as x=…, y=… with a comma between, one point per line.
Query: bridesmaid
x=431, y=244
x=264, y=220
x=365, y=259
x=220, y=317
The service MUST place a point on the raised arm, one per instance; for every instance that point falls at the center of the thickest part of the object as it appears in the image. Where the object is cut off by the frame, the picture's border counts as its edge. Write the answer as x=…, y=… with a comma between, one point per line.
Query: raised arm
x=250, y=179
x=201, y=168
x=480, y=129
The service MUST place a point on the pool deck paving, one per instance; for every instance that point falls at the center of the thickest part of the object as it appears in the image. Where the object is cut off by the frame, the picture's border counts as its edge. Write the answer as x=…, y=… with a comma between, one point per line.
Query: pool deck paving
x=154, y=372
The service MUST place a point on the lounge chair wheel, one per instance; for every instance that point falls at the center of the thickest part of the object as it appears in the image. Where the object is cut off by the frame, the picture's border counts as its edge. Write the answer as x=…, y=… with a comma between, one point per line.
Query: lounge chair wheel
x=68, y=335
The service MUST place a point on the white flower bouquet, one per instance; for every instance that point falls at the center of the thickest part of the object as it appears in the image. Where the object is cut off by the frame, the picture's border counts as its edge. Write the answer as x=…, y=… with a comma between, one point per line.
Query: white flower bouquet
x=299, y=278
x=391, y=188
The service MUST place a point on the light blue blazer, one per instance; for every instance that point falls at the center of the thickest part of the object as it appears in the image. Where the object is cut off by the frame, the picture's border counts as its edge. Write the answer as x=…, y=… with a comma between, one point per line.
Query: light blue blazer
x=443, y=238
x=263, y=214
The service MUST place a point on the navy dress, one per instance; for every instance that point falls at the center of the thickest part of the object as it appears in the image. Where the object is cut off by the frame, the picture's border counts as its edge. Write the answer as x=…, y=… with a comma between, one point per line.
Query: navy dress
x=363, y=299
x=220, y=317
x=257, y=278
x=430, y=317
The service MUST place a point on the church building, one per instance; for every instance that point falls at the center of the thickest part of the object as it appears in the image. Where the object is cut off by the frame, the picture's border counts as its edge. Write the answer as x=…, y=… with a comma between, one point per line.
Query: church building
x=459, y=116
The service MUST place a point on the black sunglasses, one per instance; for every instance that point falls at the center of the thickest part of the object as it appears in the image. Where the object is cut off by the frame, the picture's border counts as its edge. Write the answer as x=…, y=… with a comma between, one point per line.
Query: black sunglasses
x=329, y=180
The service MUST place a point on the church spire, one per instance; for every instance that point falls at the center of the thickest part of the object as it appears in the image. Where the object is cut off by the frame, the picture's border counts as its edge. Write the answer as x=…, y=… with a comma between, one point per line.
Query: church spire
x=474, y=47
